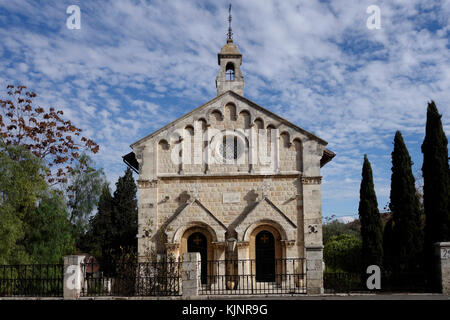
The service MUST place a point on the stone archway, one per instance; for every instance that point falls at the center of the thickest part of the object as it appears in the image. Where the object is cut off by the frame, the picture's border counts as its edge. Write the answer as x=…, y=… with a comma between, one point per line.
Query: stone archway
x=197, y=242
x=267, y=257
x=199, y=239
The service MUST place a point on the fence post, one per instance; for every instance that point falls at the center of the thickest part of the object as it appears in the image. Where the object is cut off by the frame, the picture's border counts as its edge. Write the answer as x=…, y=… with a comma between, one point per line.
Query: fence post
x=314, y=271
x=442, y=250
x=73, y=276
x=191, y=273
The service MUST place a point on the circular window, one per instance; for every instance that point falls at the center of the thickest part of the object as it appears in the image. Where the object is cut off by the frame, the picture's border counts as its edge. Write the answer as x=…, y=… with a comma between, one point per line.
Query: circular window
x=231, y=148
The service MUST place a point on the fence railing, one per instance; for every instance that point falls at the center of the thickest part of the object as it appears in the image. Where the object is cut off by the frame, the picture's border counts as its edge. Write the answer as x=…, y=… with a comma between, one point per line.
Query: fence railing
x=132, y=279
x=34, y=280
x=344, y=282
x=242, y=277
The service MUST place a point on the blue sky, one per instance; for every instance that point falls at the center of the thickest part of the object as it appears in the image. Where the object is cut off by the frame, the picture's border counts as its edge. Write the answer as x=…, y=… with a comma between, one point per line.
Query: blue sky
x=137, y=65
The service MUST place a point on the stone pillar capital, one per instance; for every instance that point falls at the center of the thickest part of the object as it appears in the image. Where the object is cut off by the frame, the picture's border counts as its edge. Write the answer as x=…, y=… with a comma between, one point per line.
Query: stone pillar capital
x=311, y=180
x=243, y=244
x=288, y=243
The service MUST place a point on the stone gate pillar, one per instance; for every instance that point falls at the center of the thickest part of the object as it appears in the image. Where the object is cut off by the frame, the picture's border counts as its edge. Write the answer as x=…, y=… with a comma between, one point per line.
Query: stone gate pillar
x=442, y=250
x=73, y=276
x=191, y=273
x=314, y=269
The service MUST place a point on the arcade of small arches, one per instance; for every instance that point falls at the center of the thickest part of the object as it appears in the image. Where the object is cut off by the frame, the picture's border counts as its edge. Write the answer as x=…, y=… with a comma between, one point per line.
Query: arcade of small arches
x=230, y=123
x=245, y=118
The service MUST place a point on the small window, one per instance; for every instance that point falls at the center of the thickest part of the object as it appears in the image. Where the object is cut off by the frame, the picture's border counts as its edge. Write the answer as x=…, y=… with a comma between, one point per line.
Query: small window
x=229, y=69
x=231, y=148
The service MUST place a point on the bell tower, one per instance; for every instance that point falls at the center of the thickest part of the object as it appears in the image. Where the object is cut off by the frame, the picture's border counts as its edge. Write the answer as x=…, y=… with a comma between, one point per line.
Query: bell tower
x=230, y=60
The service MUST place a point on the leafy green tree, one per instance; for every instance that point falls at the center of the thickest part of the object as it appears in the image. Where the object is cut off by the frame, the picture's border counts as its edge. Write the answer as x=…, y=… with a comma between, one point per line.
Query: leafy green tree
x=336, y=228
x=34, y=227
x=48, y=236
x=404, y=238
x=83, y=193
x=436, y=189
x=21, y=185
x=371, y=225
x=342, y=253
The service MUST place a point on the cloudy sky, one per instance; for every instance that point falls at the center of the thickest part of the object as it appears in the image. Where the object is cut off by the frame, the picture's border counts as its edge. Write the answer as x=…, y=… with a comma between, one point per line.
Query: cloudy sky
x=137, y=65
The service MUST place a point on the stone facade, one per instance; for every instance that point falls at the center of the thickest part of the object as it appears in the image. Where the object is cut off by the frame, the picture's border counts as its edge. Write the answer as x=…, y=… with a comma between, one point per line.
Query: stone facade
x=188, y=184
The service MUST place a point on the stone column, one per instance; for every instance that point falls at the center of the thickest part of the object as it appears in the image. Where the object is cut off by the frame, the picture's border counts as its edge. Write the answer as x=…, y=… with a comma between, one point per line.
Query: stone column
x=73, y=276
x=289, y=266
x=442, y=250
x=253, y=148
x=218, y=268
x=314, y=269
x=275, y=139
x=198, y=146
x=191, y=273
x=244, y=265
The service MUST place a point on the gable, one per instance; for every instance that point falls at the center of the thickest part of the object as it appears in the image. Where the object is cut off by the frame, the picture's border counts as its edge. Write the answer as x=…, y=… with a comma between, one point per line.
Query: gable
x=265, y=210
x=242, y=104
x=189, y=214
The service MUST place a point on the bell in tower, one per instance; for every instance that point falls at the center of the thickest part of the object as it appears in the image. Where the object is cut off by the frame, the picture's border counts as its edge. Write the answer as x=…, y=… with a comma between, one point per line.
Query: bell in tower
x=230, y=60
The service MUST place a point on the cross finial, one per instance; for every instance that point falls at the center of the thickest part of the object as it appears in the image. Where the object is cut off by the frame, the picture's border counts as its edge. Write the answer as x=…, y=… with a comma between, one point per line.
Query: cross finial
x=230, y=32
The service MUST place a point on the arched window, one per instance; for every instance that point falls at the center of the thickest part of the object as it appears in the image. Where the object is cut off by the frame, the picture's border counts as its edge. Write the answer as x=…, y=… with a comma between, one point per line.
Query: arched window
x=229, y=69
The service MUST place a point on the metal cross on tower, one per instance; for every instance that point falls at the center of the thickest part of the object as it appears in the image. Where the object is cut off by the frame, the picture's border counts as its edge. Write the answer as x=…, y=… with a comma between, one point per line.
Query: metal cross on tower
x=230, y=32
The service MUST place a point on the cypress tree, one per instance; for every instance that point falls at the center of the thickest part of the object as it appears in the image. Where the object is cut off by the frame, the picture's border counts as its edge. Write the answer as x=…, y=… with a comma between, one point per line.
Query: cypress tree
x=101, y=229
x=124, y=214
x=388, y=243
x=406, y=241
x=435, y=171
x=371, y=226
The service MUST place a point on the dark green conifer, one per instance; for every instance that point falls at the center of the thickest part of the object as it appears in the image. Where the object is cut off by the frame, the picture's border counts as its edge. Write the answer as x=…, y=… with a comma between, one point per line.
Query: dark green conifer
x=125, y=214
x=371, y=226
x=406, y=241
x=435, y=171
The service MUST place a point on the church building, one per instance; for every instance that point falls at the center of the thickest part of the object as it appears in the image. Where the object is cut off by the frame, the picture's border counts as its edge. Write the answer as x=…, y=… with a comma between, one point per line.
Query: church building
x=233, y=181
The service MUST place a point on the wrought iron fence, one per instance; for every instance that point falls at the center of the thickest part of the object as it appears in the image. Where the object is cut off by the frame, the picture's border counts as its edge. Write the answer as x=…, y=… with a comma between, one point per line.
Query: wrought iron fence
x=345, y=282
x=34, y=280
x=242, y=277
x=132, y=279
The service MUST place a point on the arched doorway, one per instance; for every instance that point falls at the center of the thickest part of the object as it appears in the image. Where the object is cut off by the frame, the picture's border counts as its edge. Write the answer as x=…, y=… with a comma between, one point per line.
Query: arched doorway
x=265, y=256
x=197, y=242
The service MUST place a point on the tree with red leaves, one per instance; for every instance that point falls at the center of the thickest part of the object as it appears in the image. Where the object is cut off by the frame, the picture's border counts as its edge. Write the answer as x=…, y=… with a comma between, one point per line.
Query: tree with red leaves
x=45, y=133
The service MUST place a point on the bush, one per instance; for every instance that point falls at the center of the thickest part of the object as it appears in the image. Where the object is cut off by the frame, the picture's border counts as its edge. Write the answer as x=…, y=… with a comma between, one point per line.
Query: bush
x=342, y=253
